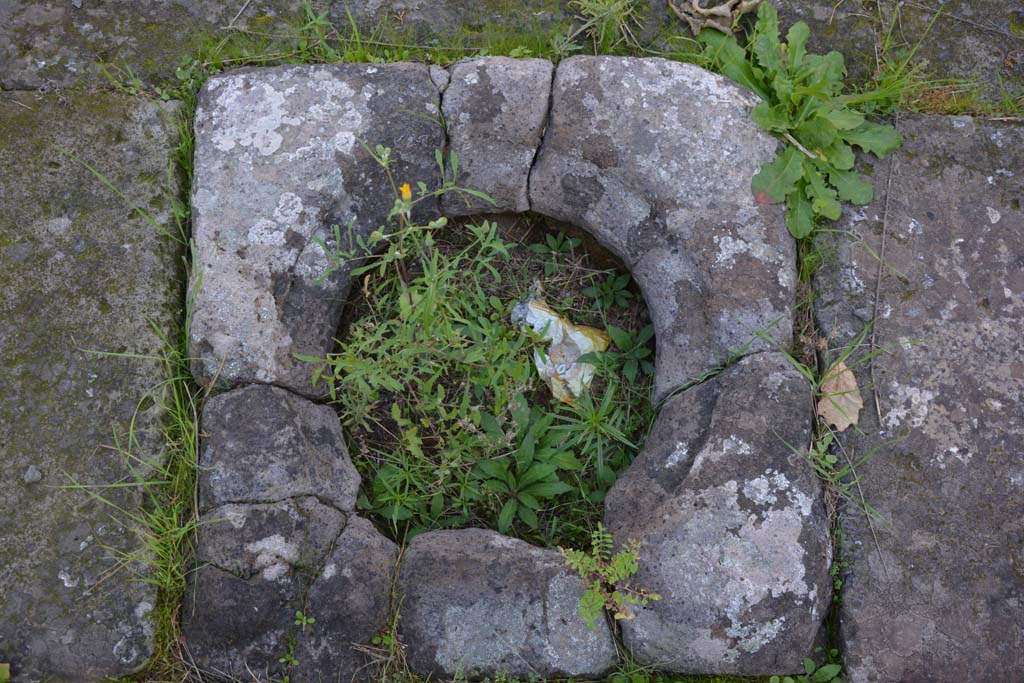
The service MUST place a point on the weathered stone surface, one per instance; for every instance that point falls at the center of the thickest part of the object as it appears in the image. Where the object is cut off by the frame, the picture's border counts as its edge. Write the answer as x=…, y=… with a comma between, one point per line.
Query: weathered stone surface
x=351, y=602
x=278, y=161
x=255, y=566
x=268, y=539
x=470, y=22
x=57, y=43
x=654, y=158
x=236, y=628
x=942, y=594
x=80, y=272
x=477, y=602
x=852, y=27
x=981, y=41
x=265, y=444
x=734, y=535
x=496, y=109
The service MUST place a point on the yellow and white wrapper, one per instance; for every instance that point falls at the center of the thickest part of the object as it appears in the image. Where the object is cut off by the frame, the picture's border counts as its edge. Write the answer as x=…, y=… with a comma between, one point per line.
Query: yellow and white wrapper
x=558, y=366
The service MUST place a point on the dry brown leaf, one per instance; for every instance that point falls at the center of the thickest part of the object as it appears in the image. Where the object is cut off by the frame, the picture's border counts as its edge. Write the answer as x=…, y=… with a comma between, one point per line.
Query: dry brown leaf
x=840, y=402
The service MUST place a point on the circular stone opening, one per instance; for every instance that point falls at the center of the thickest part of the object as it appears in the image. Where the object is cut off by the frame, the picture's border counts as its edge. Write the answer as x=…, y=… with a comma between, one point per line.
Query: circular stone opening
x=448, y=419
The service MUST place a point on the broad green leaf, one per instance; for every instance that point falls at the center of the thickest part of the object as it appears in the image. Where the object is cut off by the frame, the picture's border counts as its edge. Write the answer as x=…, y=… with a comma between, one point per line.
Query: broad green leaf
x=823, y=197
x=799, y=215
x=771, y=118
x=622, y=339
x=731, y=59
x=778, y=178
x=537, y=471
x=829, y=69
x=875, y=138
x=808, y=665
x=851, y=187
x=548, y=489
x=436, y=505
x=490, y=425
x=826, y=673
x=493, y=468
x=783, y=87
x=797, y=38
x=528, y=500
x=524, y=454
x=766, y=41
x=520, y=412
x=766, y=48
x=507, y=514
x=566, y=461
x=840, y=156
x=843, y=119
x=815, y=132
x=827, y=207
x=528, y=516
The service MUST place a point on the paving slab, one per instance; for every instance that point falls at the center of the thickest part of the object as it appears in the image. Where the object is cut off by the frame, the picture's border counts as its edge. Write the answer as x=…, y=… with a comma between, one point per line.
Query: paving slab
x=934, y=588
x=47, y=44
x=80, y=273
x=654, y=158
x=477, y=603
x=978, y=40
x=280, y=161
x=734, y=536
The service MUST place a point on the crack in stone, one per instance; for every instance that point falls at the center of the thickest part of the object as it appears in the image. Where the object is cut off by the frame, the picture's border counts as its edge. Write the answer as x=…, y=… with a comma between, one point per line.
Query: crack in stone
x=543, y=136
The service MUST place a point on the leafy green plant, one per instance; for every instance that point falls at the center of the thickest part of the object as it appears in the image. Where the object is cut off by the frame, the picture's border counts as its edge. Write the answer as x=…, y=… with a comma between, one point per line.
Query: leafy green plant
x=604, y=573
x=634, y=350
x=303, y=620
x=438, y=390
x=827, y=673
x=555, y=248
x=804, y=105
x=611, y=291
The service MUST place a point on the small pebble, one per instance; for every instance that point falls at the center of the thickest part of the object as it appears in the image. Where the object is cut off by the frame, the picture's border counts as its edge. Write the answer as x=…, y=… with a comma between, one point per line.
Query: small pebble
x=32, y=475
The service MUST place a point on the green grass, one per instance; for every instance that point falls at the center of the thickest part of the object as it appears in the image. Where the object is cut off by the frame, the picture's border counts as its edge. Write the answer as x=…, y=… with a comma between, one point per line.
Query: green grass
x=447, y=419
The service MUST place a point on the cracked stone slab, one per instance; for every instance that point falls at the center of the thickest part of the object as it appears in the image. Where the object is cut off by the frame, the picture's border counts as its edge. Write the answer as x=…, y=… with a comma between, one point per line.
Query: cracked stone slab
x=233, y=626
x=496, y=109
x=351, y=602
x=279, y=161
x=654, y=158
x=265, y=444
x=81, y=273
x=734, y=535
x=475, y=602
x=943, y=591
x=268, y=539
x=255, y=564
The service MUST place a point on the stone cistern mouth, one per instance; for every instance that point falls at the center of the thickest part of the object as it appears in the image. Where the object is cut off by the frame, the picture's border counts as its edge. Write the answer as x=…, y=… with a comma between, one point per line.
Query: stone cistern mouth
x=653, y=159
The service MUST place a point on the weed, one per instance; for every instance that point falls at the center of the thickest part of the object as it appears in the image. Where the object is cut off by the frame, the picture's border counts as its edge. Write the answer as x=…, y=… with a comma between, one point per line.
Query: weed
x=608, y=23
x=802, y=103
x=554, y=249
x=634, y=350
x=438, y=390
x=610, y=291
x=813, y=674
x=604, y=574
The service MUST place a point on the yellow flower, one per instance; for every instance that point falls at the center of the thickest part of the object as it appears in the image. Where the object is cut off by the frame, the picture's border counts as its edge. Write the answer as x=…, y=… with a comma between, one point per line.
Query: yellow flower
x=406, y=192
